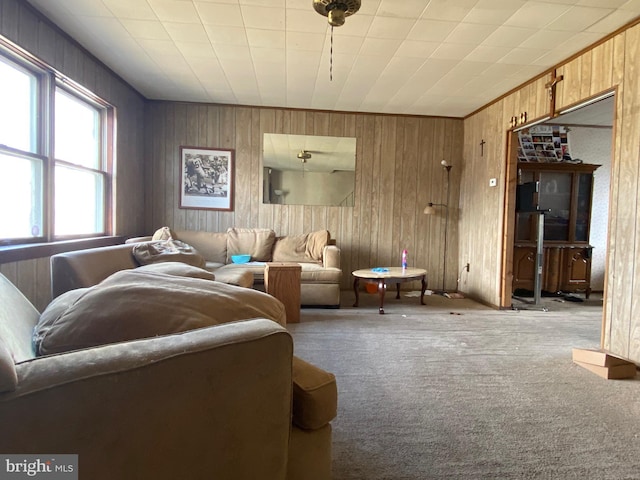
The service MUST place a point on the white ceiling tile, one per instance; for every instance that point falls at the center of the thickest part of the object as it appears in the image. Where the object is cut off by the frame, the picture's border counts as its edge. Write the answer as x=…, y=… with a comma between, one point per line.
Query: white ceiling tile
x=546, y=39
x=303, y=61
x=225, y=15
x=305, y=41
x=414, y=48
x=579, y=18
x=233, y=52
x=264, y=3
x=448, y=10
x=469, y=68
x=186, y=32
x=306, y=20
x=368, y=7
x=387, y=27
x=134, y=9
x=263, y=17
x=432, y=70
x=506, y=36
x=531, y=15
x=470, y=33
x=265, y=38
x=153, y=30
x=612, y=22
x=452, y=51
x=159, y=47
x=269, y=56
x=405, y=8
x=431, y=30
x=207, y=70
x=172, y=11
x=633, y=5
x=600, y=3
x=522, y=56
x=402, y=68
x=493, y=12
x=226, y=35
x=196, y=50
x=355, y=26
x=487, y=53
x=174, y=65
x=379, y=47
x=571, y=46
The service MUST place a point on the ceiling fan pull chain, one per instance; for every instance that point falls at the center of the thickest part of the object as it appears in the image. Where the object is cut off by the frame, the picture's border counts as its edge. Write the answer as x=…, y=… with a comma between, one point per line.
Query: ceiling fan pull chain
x=331, y=58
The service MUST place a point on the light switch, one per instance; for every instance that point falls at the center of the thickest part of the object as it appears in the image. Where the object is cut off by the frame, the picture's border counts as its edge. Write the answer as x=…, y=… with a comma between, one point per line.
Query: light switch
x=493, y=182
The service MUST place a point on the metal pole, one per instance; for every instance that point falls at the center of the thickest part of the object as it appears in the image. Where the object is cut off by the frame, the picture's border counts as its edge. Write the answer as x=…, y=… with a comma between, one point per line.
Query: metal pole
x=446, y=229
x=537, y=285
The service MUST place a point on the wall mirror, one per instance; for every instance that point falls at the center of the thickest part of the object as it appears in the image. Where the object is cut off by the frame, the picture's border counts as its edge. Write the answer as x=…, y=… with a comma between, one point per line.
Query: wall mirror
x=308, y=170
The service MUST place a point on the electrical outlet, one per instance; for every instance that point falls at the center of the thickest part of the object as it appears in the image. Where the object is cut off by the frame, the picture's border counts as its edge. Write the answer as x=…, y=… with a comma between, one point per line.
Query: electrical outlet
x=493, y=182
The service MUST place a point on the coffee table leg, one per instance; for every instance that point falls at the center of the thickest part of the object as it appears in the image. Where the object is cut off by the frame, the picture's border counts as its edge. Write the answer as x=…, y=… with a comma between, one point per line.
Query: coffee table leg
x=424, y=287
x=356, y=283
x=381, y=289
x=398, y=291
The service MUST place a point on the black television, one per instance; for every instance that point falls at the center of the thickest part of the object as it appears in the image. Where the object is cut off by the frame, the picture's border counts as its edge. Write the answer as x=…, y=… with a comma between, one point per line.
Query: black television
x=525, y=197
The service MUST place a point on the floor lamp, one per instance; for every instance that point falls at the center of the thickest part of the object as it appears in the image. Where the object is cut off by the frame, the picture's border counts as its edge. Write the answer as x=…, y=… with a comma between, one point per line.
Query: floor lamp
x=430, y=210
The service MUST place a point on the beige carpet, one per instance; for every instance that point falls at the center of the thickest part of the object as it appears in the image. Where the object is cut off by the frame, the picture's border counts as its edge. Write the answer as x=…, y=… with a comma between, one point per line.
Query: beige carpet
x=455, y=390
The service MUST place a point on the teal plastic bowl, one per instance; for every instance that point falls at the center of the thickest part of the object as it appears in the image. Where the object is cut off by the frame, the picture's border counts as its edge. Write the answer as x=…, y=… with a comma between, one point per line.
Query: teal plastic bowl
x=240, y=258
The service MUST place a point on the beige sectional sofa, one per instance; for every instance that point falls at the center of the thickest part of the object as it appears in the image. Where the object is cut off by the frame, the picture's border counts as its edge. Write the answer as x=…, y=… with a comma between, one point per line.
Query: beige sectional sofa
x=317, y=254
x=200, y=399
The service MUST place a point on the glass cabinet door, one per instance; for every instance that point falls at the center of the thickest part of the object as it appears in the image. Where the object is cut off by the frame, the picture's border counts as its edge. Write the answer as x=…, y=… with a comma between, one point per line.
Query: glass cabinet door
x=555, y=196
x=583, y=207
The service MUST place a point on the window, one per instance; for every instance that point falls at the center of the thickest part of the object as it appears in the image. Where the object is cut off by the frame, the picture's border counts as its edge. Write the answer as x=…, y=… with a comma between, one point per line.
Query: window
x=55, y=175
x=78, y=167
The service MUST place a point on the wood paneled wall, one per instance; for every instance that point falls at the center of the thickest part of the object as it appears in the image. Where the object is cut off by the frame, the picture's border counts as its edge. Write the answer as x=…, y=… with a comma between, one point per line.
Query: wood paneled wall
x=398, y=172
x=612, y=64
x=24, y=26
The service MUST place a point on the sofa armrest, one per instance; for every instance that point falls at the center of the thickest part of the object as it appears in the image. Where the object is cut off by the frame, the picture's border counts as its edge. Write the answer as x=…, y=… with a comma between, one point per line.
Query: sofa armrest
x=331, y=256
x=86, y=268
x=148, y=238
x=157, y=408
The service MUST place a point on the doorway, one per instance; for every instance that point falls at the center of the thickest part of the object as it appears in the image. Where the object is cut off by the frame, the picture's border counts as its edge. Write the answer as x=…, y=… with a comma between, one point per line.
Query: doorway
x=588, y=132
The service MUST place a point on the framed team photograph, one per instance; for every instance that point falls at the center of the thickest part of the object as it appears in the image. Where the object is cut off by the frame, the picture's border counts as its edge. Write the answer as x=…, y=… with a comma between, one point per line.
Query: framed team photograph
x=206, y=178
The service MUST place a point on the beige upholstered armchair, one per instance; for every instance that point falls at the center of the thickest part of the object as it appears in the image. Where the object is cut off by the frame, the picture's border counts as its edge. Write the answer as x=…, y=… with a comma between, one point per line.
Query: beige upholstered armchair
x=214, y=402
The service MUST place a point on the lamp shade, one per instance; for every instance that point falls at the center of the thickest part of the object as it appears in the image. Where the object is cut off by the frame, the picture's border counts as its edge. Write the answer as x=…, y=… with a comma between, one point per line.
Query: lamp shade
x=429, y=210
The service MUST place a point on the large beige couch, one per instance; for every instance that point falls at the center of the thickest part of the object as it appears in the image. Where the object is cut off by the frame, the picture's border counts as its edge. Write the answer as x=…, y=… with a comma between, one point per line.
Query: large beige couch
x=214, y=402
x=315, y=252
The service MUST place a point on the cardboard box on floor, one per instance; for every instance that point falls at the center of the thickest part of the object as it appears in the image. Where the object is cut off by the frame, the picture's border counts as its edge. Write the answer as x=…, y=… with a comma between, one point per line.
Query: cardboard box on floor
x=604, y=364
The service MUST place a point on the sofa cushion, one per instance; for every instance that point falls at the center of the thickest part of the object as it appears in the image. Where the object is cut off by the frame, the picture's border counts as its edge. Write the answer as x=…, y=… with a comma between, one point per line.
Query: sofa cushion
x=135, y=304
x=315, y=273
x=257, y=242
x=163, y=233
x=300, y=248
x=167, y=251
x=8, y=375
x=315, y=395
x=211, y=245
x=316, y=242
x=178, y=269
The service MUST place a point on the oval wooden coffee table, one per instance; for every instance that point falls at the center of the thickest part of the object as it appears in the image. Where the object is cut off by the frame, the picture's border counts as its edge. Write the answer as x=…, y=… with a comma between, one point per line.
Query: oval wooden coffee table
x=392, y=275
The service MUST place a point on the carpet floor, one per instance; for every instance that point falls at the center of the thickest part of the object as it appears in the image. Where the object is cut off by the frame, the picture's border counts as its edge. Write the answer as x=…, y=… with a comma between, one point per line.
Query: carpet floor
x=456, y=390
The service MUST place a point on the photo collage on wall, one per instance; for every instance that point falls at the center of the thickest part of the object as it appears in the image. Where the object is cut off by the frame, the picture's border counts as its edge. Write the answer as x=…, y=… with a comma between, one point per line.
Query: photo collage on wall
x=543, y=143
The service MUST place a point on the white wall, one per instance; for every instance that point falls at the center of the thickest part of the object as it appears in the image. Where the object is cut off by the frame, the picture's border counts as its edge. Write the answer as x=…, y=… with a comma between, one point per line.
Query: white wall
x=593, y=145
